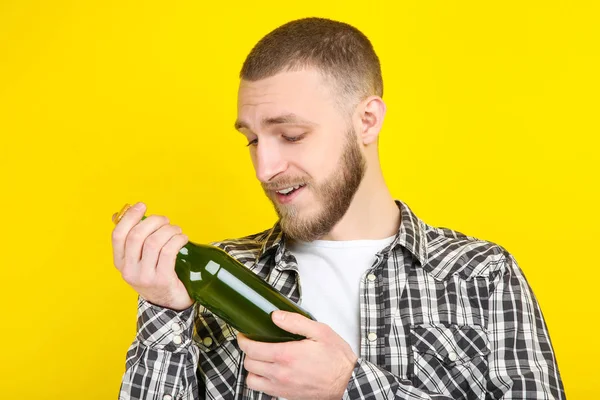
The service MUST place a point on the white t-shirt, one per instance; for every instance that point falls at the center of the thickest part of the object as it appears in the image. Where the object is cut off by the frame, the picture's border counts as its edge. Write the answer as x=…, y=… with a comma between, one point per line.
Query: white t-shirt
x=330, y=273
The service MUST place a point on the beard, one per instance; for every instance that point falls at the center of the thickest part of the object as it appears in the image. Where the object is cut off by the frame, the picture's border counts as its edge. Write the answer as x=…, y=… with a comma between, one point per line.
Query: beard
x=333, y=196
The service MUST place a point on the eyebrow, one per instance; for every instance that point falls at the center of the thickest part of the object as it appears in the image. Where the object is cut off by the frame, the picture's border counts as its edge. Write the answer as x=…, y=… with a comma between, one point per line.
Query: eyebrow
x=279, y=120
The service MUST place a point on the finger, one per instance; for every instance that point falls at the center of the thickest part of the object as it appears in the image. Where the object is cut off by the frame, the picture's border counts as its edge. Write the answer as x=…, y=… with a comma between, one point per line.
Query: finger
x=155, y=242
x=168, y=254
x=260, y=383
x=260, y=368
x=267, y=352
x=119, y=234
x=298, y=324
x=138, y=235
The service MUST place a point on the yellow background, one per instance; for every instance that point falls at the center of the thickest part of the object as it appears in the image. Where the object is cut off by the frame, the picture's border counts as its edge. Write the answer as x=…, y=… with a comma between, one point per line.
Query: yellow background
x=492, y=130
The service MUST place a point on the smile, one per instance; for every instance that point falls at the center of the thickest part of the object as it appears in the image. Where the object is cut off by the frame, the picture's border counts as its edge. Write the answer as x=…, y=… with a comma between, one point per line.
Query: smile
x=289, y=190
x=287, y=195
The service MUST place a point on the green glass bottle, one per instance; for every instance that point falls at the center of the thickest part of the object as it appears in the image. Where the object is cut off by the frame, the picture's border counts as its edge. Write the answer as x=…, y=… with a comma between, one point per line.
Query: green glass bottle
x=231, y=291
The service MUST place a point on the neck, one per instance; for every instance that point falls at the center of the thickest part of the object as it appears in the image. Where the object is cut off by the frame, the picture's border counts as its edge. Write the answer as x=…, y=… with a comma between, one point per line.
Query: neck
x=373, y=213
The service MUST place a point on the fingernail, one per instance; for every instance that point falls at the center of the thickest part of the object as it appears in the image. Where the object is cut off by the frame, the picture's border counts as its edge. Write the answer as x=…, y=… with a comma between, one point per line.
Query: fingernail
x=278, y=315
x=139, y=206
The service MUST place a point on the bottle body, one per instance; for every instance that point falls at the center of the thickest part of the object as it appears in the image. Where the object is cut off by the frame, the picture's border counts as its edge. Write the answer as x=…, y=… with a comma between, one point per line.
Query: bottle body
x=232, y=292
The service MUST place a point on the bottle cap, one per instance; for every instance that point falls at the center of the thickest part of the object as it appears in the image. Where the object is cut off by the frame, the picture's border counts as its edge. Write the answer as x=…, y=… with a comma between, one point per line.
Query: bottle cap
x=117, y=217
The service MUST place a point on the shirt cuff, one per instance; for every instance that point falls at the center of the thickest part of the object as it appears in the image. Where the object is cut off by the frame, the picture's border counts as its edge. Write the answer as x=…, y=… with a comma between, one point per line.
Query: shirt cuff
x=164, y=329
x=369, y=382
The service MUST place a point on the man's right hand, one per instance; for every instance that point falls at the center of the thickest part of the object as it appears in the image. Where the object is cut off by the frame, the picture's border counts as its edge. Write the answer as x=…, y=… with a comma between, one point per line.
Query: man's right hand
x=144, y=252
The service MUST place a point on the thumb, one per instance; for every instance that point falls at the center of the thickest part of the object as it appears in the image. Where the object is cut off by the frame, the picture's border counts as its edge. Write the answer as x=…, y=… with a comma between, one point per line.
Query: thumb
x=297, y=323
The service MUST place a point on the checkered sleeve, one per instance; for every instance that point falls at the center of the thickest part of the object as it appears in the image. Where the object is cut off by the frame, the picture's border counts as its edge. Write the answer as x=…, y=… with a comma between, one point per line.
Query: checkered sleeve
x=161, y=363
x=522, y=364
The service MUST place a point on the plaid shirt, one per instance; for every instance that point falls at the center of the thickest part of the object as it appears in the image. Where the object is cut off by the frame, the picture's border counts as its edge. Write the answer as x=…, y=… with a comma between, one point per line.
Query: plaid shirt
x=448, y=317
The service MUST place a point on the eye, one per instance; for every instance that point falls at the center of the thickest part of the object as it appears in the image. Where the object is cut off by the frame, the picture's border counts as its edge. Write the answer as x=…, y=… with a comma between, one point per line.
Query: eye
x=294, y=138
x=252, y=143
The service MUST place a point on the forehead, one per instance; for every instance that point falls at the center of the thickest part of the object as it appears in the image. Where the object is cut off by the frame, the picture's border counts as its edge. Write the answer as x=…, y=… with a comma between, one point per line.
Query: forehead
x=305, y=93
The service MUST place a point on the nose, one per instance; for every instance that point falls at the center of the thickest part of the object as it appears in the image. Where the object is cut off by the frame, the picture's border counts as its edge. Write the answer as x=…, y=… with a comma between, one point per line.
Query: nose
x=268, y=161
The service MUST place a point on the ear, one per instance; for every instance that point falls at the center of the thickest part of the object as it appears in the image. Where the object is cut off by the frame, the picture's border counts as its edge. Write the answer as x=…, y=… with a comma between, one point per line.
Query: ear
x=371, y=115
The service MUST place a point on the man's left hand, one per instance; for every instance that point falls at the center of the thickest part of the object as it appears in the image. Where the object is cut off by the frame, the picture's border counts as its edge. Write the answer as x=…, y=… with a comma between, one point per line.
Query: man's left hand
x=318, y=367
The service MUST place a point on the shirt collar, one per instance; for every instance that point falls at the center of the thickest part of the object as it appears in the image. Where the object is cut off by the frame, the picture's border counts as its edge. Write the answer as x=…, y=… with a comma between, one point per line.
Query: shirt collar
x=411, y=235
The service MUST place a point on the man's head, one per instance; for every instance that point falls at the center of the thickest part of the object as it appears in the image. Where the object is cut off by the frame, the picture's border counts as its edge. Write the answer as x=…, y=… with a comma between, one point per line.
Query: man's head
x=340, y=52
x=310, y=95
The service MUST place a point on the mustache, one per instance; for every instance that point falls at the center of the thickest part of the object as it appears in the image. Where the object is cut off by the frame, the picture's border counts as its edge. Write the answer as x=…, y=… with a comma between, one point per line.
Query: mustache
x=284, y=183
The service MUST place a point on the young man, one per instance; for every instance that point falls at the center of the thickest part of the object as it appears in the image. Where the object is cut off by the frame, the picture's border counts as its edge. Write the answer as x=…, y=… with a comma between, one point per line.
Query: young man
x=405, y=310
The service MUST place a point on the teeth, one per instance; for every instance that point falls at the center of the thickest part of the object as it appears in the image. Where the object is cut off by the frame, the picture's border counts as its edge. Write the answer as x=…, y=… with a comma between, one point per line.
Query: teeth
x=288, y=190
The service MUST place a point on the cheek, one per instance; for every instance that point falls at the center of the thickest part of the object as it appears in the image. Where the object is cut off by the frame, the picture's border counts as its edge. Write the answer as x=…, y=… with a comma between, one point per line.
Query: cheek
x=320, y=161
x=253, y=159
x=307, y=161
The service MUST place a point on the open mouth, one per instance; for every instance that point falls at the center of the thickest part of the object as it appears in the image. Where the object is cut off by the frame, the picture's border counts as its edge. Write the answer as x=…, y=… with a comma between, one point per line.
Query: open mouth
x=288, y=194
x=289, y=191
